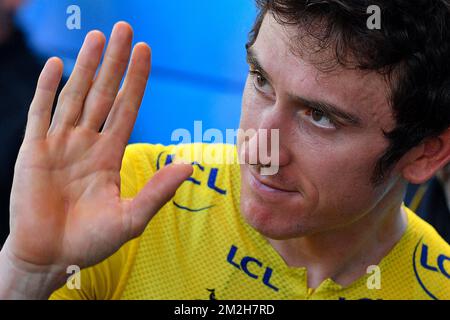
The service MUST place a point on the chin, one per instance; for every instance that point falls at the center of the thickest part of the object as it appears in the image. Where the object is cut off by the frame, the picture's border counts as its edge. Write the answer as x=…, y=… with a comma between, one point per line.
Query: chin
x=272, y=224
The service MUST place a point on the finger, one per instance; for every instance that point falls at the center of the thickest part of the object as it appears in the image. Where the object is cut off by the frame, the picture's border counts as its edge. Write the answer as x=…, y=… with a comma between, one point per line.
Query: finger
x=123, y=115
x=41, y=107
x=72, y=97
x=104, y=89
x=160, y=189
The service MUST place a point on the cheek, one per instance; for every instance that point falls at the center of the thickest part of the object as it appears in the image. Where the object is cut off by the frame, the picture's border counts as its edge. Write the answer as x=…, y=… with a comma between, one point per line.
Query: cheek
x=251, y=107
x=343, y=178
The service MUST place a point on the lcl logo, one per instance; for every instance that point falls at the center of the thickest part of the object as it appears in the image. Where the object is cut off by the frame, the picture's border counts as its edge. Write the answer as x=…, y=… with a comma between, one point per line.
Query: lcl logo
x=438, y=266
x=248, y=263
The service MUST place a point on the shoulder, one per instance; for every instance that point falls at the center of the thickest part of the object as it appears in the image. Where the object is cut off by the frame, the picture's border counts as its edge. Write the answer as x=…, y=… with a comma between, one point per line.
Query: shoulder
x=430, y=258
x=214, y=154
x=212, y=189
x=141, y=161
x=103, y=281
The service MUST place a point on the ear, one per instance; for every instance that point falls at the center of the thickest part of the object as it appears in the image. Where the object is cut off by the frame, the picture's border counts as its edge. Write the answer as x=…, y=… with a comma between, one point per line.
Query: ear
x=425, y=160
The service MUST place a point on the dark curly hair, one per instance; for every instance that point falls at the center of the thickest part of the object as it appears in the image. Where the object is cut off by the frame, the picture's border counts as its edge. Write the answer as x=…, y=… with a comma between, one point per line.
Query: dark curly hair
x=412, y=49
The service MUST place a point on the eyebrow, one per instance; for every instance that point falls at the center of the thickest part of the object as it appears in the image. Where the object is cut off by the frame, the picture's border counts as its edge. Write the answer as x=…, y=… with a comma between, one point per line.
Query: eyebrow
x=253, y=60
x=327, y=108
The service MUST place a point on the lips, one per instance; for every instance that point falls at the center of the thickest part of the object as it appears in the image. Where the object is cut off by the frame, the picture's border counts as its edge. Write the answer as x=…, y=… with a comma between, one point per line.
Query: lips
x=269, y=185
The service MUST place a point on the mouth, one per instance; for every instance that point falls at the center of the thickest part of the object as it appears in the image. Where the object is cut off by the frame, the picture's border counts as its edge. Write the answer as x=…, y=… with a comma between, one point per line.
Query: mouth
x=269, y=189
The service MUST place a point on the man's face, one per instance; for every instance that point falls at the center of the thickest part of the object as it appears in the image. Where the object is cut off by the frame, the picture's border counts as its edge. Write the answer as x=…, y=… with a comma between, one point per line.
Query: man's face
x=326, y=159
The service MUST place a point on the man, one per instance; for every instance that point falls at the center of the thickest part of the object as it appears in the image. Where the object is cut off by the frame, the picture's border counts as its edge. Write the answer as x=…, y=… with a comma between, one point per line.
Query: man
x=360, y=113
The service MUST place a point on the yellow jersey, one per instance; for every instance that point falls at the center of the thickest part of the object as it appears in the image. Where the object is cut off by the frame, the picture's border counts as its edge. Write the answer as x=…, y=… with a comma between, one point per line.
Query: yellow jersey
x=199, y=247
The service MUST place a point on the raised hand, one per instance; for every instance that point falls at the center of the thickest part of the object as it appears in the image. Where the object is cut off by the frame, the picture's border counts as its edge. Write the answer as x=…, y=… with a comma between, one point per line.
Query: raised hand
x=66, y=206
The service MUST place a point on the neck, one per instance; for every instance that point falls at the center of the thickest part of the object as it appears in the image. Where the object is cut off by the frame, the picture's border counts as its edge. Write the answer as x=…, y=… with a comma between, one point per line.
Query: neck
x=343, y=254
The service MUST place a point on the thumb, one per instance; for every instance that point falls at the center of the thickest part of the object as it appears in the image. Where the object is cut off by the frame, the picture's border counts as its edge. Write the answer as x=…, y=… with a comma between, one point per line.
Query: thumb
x=160, y=189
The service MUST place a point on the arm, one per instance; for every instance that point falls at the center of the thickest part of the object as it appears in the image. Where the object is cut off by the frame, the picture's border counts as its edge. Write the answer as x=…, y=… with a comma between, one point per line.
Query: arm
x=66, y=208
x=26, y=281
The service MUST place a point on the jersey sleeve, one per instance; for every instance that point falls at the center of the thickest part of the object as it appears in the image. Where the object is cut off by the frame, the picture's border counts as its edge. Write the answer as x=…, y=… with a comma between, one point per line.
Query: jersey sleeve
x=107, y=279
x=430, y=259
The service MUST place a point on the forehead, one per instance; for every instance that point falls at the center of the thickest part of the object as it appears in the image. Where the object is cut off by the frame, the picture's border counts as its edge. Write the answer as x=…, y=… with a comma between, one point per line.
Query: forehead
x=293, y=70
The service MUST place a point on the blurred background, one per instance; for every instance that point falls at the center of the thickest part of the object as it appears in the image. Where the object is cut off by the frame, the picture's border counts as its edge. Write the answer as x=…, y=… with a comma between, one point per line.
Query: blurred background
x=199, y=64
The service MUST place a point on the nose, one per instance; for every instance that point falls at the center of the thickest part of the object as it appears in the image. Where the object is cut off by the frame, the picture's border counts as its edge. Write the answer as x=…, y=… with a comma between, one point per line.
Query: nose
x=264, y=145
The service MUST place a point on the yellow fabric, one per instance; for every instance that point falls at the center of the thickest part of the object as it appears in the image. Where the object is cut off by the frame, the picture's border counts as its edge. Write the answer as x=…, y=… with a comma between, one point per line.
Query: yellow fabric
x=418, y=197
x=199, y=247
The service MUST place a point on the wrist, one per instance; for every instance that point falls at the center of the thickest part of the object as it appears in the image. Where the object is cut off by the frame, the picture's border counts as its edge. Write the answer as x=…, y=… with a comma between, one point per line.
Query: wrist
x=22, y=280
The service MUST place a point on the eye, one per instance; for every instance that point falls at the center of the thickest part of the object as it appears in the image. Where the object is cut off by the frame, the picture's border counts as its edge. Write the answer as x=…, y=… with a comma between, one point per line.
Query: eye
x=318, y=118
x=261, y=83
